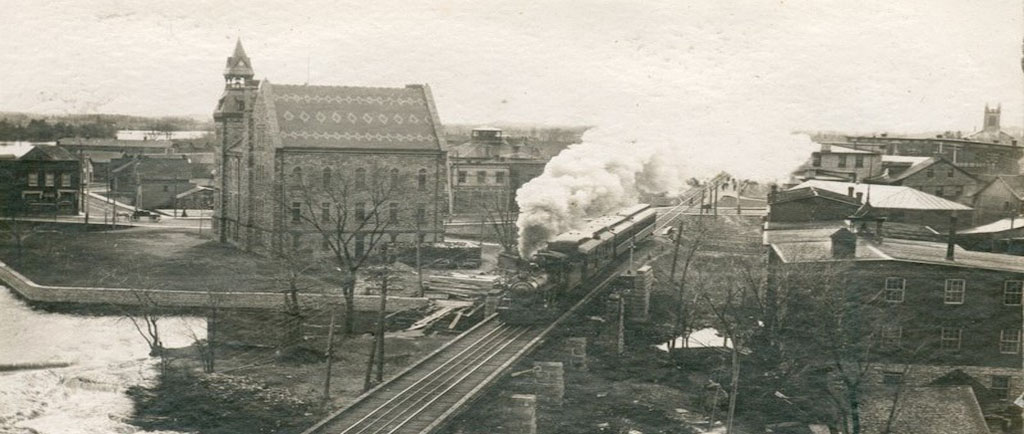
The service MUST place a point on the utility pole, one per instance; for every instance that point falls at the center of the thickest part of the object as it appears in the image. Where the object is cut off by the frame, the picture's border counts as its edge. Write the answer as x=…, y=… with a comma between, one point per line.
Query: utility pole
x=419, y=265
x=621, y=341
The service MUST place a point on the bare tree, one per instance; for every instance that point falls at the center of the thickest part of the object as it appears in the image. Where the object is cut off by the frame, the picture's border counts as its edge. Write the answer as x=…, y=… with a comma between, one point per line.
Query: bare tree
x=693, y=233
x=500, y=214
x=351, y=214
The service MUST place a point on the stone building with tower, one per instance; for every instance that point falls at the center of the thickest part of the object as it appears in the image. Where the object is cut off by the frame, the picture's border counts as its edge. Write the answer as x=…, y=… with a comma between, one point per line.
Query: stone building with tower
x=289, y=155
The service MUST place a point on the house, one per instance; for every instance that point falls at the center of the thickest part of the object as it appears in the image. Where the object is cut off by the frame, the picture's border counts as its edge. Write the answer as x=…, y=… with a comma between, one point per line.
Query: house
x=291, y=155
x=934, y=175
x=40, y=180
x=487, y=171
x=1002, y=197
x=1001, y=236
x=931, y=306
x=835, y=162
x=899, y=203
x=150, y=181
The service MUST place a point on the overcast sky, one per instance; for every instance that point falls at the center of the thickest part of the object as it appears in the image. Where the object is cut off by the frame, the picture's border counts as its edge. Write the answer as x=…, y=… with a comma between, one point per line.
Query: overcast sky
x=720, y=69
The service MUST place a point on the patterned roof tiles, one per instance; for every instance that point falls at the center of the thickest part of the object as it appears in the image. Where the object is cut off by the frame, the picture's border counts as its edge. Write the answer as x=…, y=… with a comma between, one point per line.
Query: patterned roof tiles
x=353, y=117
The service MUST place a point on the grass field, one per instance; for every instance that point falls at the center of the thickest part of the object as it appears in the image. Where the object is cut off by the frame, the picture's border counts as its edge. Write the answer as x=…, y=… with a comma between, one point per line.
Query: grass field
x=140, y=258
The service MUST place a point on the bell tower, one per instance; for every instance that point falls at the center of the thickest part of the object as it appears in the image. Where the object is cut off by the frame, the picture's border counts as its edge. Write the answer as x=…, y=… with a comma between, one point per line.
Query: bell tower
x=232, y=120
x=992, y=118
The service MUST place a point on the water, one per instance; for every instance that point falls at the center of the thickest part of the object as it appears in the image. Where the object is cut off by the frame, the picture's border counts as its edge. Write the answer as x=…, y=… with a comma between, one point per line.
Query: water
x=106, y=356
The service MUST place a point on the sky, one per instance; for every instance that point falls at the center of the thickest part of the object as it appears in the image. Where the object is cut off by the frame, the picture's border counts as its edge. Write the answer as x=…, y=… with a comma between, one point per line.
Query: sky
x=713, y=75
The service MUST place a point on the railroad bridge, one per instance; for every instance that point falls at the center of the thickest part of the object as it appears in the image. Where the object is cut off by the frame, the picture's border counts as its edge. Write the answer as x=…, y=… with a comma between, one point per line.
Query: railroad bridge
x=427, y=395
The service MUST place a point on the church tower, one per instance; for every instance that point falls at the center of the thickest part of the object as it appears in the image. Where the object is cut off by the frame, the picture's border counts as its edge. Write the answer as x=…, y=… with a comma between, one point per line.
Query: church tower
x=232, y=120
x=992, y=118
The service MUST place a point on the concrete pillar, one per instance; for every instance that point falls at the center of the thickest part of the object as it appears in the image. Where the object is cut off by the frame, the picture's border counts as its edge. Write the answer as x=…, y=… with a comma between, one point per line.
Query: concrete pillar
x=520, y=415
x=549, y=382
x=576, y=353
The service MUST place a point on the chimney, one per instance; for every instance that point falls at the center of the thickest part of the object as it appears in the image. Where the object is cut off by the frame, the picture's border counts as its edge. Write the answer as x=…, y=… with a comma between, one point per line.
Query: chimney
x=860, y=197
x=771, y=194
x=849, y=191
x=951, y=242
x=826, y=147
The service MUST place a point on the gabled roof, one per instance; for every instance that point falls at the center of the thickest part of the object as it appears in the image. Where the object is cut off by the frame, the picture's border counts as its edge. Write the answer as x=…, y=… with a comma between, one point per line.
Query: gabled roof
x=809, y=192
x=14, y=150
x=901, y=159
x=923, y=165
x=889, y=196
x=997, y=226
x=48, y=153
x=1015, y=183
x=153, y=169
x=923, y=410
x=377, y=118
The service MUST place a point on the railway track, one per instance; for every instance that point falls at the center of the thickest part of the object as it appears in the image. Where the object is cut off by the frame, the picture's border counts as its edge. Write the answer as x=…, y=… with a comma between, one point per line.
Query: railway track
x=669, y=217
x=423, y=397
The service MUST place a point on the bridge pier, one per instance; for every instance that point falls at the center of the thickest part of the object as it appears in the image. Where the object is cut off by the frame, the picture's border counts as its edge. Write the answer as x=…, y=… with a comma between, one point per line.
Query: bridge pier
x=576, y=353
x=520, y=415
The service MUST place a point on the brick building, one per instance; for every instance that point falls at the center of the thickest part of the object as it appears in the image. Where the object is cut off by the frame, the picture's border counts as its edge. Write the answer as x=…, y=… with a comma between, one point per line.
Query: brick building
x=45, y=180
x=488, y=170
x=287, y=152
x=930, y=305
x=840, y=163
x=937, y=176
x=900, y=204
x=1002, y=197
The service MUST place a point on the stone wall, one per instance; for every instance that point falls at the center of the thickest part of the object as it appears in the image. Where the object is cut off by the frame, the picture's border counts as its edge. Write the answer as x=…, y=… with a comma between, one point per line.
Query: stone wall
x=166, y=298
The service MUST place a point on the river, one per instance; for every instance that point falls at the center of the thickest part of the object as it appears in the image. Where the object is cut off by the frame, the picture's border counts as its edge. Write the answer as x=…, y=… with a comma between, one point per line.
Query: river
x=106, y=356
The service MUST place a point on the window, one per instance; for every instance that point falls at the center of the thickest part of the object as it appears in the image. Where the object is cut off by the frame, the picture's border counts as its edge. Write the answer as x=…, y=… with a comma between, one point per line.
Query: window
x=394, y=237
x=33, y=179
x=360, y=245
x=297, y=176
x=1012, y=290
x=951, y=173
x=816, y=160
x=394, y=178
x=939, y=191
x=296, y=241
x=858, y=161
x=49, y=179
x=1001, y=386
x=360, y=211
x=892, y=378
x=325, y=212
x=325, y=244
x=950, y=338
x=296, y=212
x=481, y=177
x=421, y=214
x=955, y=289
x=393, y=212
x=166, y=188
x=421, y=237
x=842, y=161
x=1009, y=341
x=892, y=337
x=930, y=173
x=499, y=177
x=421, y=180
x=325, y=178
x=894, y=289
x=462, y=177
x=958, y=190
x=65, y=179
x=360, y=178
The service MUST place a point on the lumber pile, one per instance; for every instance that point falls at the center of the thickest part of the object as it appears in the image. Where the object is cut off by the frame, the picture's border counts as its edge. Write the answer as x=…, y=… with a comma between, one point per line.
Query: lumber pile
x=460, y=285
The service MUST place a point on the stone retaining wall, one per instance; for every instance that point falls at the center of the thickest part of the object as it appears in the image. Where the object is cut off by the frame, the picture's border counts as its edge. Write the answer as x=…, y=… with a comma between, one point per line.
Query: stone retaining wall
x=176, y=298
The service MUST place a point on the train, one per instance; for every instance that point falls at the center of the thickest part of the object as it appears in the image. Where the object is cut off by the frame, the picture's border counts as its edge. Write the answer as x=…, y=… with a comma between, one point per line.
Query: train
x=538, y=290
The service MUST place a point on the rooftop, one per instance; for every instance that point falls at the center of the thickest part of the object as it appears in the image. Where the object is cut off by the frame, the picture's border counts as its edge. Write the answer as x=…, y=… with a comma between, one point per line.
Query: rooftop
x=889, y=196
x=996, y=226
x=353, y=117
x=923, y=410
x=808, y=192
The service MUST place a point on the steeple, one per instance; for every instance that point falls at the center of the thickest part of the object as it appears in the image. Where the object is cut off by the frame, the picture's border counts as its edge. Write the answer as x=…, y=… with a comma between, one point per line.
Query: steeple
x=239, y=67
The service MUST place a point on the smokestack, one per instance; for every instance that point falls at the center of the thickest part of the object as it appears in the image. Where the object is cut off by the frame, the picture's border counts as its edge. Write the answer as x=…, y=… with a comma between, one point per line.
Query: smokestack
x=951, y=242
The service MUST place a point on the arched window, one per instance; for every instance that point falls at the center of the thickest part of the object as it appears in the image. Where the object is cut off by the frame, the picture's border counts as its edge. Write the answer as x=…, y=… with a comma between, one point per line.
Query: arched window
x=394, y=178
x=297, y=175
x=421, y=179
x=326, y=178
x=360, y=178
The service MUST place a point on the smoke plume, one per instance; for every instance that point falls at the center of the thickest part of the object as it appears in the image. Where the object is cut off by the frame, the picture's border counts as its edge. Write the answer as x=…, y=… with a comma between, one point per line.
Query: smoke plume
x=602, y=174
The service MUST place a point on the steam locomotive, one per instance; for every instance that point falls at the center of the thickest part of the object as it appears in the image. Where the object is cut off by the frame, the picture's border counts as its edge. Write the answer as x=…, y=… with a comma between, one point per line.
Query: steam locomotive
x=538, y=290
